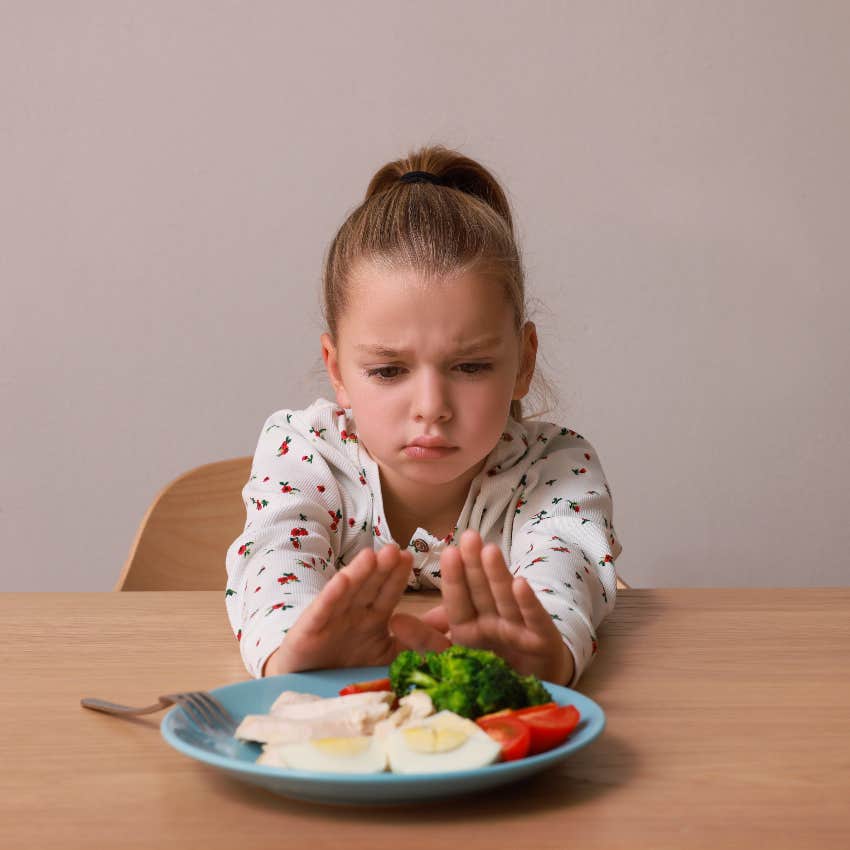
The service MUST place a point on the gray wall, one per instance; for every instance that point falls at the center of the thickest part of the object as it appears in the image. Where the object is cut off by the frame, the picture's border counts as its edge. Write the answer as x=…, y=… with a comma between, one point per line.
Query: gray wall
x=173, y=171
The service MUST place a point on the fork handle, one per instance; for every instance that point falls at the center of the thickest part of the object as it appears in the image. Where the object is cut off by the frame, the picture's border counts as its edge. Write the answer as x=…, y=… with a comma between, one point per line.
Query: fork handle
x=115, y=708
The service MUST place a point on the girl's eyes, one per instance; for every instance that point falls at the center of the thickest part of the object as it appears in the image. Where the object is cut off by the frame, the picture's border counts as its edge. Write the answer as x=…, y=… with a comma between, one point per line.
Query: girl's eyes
x=477, y=368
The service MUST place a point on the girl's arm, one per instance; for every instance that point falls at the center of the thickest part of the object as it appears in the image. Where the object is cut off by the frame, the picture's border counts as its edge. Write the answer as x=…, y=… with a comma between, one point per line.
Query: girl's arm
x=287, y=552
x=564, y=544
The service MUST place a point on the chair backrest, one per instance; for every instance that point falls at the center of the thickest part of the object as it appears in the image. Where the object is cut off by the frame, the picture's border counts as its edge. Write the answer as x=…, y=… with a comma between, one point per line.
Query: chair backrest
x=184, y=537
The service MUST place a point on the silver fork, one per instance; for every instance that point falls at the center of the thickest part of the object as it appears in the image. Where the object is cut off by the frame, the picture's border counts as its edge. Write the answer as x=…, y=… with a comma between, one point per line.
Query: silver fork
x=205, y=711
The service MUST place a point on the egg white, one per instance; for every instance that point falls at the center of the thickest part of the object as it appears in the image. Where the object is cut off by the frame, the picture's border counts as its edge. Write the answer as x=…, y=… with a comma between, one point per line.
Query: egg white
x=478, y=749
x=331, y=755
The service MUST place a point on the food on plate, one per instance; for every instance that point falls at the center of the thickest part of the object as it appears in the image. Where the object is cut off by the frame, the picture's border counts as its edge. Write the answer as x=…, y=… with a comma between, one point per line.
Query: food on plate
x=360, y=687
x=547, y=726
x=442, y=742
x=470, y=682
x=290, y=721
x=412, y=708
x=460, y=709
x=512, y=735
x=355, y=754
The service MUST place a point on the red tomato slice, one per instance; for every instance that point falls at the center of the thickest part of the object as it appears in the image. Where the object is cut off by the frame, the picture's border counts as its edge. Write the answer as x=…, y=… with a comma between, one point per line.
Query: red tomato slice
x=533, y=709
x=513, y=735
x=362, y=687
x=550, y=728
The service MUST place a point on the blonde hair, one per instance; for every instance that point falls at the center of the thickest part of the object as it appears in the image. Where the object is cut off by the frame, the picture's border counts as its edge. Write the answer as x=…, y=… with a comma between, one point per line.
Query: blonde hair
x=462, y=226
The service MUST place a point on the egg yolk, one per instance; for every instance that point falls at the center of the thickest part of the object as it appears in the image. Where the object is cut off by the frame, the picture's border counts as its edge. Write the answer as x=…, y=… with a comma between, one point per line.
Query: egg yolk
x=431, y=739
x=345, y=747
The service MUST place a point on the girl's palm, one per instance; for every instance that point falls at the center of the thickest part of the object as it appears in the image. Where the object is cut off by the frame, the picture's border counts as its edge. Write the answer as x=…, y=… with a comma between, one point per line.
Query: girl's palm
x=485, y=606
x=348, y=623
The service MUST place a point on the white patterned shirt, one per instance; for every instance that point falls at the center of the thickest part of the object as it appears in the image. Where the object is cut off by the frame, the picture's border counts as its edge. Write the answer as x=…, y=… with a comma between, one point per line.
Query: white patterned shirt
x=313, y=501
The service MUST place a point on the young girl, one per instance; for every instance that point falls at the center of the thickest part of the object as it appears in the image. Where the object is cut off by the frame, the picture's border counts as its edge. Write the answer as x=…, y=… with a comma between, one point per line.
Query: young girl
x=424, y=472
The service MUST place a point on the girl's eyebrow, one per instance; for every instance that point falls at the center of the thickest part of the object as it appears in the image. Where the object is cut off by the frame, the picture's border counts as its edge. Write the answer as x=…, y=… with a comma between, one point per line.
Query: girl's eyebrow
x=468, y=348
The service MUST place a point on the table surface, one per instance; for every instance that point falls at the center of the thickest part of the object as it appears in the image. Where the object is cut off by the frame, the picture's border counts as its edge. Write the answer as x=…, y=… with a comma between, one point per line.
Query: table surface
x=728, y=725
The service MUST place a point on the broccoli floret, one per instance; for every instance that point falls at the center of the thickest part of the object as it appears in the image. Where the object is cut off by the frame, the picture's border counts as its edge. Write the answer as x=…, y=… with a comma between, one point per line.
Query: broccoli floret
x=407, y=664
x=535, y=693
x=467, y=681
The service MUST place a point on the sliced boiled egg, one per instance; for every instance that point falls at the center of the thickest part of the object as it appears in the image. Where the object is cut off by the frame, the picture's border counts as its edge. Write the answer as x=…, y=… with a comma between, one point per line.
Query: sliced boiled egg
x=443, y=742
x=356, y=754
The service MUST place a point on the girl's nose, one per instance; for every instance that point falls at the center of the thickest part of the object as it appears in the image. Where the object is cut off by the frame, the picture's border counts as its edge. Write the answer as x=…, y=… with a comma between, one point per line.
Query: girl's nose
x=431, y=402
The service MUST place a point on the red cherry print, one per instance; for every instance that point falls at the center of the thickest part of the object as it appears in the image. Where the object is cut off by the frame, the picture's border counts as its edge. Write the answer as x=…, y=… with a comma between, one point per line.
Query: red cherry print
x=296, y=543
x=340, y=412
x=239, y=635
x=257, y=588
x=586, y=456
x=351, y=522
x=320, y=488
x=265, y=479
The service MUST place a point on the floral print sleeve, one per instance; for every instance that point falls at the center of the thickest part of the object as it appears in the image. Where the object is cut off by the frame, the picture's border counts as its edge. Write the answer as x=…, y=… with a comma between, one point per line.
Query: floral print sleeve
x=563, y=540
x=287, y=552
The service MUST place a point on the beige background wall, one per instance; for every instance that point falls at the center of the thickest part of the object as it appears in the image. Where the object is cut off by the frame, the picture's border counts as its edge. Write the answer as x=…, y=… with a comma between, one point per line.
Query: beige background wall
x=172, y=172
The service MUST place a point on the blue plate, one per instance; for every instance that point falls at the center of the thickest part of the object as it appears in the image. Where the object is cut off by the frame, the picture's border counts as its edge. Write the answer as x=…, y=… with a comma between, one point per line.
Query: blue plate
x=256, y=696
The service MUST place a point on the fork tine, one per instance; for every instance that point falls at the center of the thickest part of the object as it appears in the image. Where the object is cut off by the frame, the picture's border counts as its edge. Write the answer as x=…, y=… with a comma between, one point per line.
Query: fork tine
x=191, y=711
x=218, y=712
x=200, y=707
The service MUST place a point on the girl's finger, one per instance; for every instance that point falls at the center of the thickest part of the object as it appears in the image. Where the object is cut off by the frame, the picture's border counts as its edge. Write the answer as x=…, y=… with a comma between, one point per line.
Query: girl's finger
x=456, y=599
x=333, y=599
x=476, y=578
x=394, y=583
x=537, y=618
x=414, y=634
x=372, y=574
x=437, y=618
x=501, y=583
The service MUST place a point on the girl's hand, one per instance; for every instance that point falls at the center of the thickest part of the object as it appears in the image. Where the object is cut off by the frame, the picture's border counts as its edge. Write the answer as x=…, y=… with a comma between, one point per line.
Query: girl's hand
x=348, y=623
x=485, y=606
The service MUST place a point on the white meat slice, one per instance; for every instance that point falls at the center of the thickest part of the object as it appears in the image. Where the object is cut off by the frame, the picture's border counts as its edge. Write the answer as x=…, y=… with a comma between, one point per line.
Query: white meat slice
x=420, y=703
x=412, y=708
x=388, y=724
x=329, y=705
x=344, y=722
x=295, y=697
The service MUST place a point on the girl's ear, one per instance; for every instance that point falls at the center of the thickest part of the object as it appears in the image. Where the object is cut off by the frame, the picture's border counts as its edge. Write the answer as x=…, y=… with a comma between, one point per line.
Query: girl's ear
x=527, y=361
x=329, y=355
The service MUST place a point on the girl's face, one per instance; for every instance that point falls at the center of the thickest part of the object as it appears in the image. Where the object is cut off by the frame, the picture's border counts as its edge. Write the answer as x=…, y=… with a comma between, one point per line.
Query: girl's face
x=440, y=360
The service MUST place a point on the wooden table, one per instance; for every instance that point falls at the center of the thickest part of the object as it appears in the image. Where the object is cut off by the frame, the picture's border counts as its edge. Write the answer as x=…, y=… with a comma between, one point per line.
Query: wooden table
x=728, y=726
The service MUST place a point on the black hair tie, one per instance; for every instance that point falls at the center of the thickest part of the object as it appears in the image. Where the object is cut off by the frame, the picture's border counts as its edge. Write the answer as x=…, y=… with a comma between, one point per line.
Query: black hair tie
x=421, y=177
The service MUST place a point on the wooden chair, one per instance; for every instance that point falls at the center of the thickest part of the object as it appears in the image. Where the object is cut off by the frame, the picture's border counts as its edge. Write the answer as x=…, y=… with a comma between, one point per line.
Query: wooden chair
x=183, y=539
